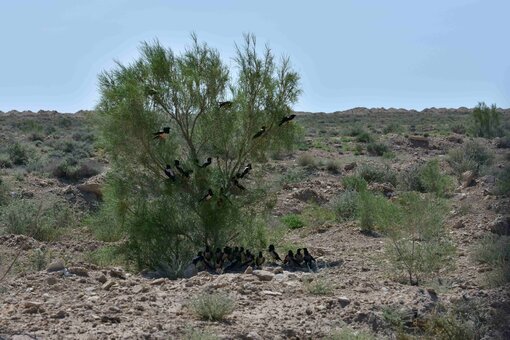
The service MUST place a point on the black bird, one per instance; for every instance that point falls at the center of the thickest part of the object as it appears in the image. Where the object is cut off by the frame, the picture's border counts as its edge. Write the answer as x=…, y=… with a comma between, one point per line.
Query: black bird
x=237, y=184
x=169, y=172
x=298, y=258
x=218, y=254
x=286, y=119
x=207, y=162
x=226, y=104
x=185, y=173
x=245, y=172
x=307, y=257
x=273, y=253
x=161, y=134
x=260, y=132
x=289, y=259
x=249, y=258
x=208, y=196
x=259, y=261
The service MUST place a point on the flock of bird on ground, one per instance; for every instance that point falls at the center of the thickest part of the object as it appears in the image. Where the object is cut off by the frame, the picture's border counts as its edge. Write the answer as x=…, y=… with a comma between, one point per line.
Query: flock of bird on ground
x=238, y=259
x=186, y=173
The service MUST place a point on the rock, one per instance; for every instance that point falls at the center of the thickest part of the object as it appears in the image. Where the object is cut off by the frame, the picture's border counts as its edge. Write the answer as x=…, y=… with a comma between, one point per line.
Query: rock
x=102, y=278
x=140, y=289
x=253, y=336
x=33, y=307
x=157, y=282
x=59, y=315
x=271, y=293
x=501, y=225
x=344, y=301
x=107, y=285
x=51, y=280
x=350, y=166
x=455, y=139
x=502, y=142
x=118, y=273
x=459, y=224
x=263, y=275
x=278, y=270
x=249, y=270
x=308, y=195
x=80, y=271
x=308, y=311
x=468, y=178
x=56, y=265
x=418, y=141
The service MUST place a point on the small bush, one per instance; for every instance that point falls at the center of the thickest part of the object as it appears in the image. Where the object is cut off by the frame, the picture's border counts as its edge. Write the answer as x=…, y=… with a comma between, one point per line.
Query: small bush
x=345, y=205
x=18, y=153
x=4, y=193
x=472, y=156
x=212, y=307
x=350, y=334
x=39, y=259
x=293, y=175
x=293, y=221
x=5, y=161
x=370, y=205
x=319, y=286
x=333, y=166
x=354, y=183
x=377, y=149
x=70, y=169
x=106, y=256
x=315, y=215
x=364, y=137
x=487, y=121
x=494, y=250
x=307, y=160
x=426, y=178
x=196, y=334
x=459, y=128
x=503, y=182
x=377, y=173
x=393, y=128
x=355, y=131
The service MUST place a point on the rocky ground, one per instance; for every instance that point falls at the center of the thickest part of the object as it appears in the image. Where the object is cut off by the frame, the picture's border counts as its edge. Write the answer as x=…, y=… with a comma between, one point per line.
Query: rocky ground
x=72, y=298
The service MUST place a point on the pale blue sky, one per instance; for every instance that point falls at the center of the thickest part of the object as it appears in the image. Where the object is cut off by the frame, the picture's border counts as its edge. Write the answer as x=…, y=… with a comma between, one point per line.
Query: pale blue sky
x=411, y=54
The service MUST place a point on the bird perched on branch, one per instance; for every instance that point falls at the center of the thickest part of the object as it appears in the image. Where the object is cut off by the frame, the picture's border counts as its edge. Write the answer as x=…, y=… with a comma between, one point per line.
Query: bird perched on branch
x=260, y=132
x=207, y=163
x=169, y=172
x=286, y=119
x=273, y=253
x=245, y=171
x=162, y=133
x=226, y=104
x=185, y=173
x=208, y=196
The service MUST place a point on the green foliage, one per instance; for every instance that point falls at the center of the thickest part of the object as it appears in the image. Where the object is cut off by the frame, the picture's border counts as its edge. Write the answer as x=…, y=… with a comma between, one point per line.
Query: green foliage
x=319, y=286
x=370, y=207
x=293, y=221
x=418, y=244
x=393, y=128
x=4, y=193
x=5, y=161
x=377, y=173
x=307, y=160
x=364, y=137
x=427, y=178
x=196, y=334
x=377, y=149
x=166, y=221
x=333, y=166
x=473, y=156
x=494, y=250
x=350, y=334
x=39, y=259
x=293, y=175
x=316, y=215
x=487, y=121
x=212, y=307
x=43, y=221
x=106, y=256
x=71, y=169
x=345, y=205
x=19, y=153
x=354, y=183
x=503, y=182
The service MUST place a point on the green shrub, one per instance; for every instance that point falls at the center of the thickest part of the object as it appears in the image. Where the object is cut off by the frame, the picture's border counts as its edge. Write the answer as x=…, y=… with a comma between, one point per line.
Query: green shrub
x=307, y=160
x=18, y=153
x=350, y=334
x=196, y=334
x=377, y=173
x=5, y=161
x=494, y=250
x=293, y=221
x=315, y=215
x=354, y=183
x=293, y=175
x=355, y=131
x=71, y=169
x=106, y=256
x=472, y=156
x=4, y=193
x=364, y=137
x=319, y=286
x=377, y=149
x=212, y=307
x=39, y=259
x=370, y=206
x=345, y=205
x=487, y=121
x=426, y=178
x=333, y=166
x=418, y=243
x=503, y=182
x=393, y=128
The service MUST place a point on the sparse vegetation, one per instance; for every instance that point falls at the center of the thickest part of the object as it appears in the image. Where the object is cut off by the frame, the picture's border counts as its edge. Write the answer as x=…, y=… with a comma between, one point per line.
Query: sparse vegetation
x=293, y=221
x=319, y=286
x=494, y=250
x=307, y=160
x=370, y=206
x=473, y=156
x=333, y=166
x=350, y=334
x=377, y=173
x=345, y=205
x=355, y=183
x=427, y=178
x=377, y=149
x=487, y=121
x=212, y=306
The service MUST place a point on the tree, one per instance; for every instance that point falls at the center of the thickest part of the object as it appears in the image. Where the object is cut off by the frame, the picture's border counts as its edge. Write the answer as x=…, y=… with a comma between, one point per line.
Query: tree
x=211, y=112
x=487, y=121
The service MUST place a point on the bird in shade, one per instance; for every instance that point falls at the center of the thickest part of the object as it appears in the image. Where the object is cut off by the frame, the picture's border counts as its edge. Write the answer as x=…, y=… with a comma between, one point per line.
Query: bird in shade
x=237, y=184
x=308, y=258
x=169, y=172
x=161, y=134
x=249, y=258
x=185, y=173
x=227, y=104
x=298, y=258
x=207, y=162
x=273, y=253
x=259, y=261
x=289, y=258
x=208, y=196
x=260, y=132
x=286, y=119
x=245, y=171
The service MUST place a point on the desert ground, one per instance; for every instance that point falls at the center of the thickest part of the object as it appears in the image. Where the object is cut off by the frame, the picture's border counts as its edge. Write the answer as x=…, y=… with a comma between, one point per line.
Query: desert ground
x=67, y=282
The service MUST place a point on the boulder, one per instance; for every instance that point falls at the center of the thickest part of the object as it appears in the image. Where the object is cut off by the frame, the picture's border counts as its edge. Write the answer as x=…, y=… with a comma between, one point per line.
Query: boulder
x=263, y=275
x=418, y=141
x=501, y=225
